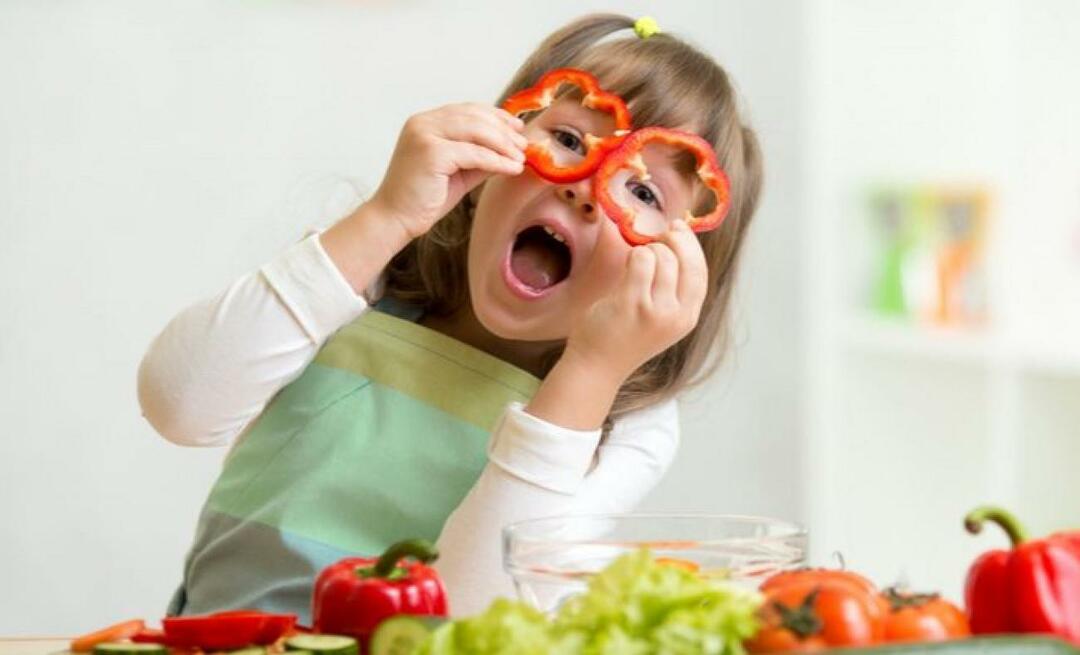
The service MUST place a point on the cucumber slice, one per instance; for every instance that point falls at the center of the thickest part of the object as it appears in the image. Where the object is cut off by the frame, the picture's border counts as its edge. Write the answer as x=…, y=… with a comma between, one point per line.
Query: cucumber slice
x=1003, y=645
x=323, y=644
x=401, y=634
x=129, y=648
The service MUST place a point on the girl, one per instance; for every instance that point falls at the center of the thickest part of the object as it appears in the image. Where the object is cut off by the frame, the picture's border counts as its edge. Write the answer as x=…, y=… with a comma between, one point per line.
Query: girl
x=472, y=346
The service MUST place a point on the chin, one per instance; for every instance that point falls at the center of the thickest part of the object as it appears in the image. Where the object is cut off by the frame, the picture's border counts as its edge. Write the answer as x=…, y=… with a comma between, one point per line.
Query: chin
x=506, y=321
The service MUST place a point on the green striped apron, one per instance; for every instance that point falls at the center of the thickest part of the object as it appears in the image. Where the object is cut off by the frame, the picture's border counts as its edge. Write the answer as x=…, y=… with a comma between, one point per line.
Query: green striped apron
x=378, y=440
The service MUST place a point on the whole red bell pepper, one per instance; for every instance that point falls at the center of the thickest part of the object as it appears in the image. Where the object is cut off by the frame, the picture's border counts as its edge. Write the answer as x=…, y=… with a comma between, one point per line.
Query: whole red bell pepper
x=1034, y=587
x=355, y=594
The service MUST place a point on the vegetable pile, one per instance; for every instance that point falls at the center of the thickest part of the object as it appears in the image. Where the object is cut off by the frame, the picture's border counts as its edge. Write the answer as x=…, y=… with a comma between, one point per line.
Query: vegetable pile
x=640, y=605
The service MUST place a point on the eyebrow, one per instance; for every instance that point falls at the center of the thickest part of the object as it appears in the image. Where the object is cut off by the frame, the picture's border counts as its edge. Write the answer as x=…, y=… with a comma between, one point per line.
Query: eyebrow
x=672, y=182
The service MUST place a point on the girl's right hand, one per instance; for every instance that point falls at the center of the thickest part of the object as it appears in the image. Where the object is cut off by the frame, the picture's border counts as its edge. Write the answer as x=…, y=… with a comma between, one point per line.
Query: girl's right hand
x=441, y=155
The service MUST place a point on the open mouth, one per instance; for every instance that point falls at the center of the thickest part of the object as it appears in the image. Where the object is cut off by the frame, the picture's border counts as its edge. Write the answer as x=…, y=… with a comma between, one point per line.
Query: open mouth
x=538, y=261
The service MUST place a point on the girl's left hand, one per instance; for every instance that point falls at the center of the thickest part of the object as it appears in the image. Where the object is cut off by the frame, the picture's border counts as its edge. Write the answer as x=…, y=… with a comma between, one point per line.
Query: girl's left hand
x=657, y=303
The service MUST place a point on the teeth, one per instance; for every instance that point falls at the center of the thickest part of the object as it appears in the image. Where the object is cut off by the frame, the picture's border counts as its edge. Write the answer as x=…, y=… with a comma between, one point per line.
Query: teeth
x=555, y=235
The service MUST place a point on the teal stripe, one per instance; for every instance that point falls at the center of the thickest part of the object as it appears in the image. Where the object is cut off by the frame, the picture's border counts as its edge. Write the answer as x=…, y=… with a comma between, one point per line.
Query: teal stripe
x=359, y=485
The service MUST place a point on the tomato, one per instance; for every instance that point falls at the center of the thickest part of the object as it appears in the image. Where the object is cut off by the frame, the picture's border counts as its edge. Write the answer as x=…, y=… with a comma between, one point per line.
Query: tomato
x=782, y=640
x=811, y=609
x=923, y=617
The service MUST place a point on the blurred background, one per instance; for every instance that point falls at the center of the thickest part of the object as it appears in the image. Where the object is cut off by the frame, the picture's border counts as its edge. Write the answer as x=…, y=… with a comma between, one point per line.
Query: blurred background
x=908, y=320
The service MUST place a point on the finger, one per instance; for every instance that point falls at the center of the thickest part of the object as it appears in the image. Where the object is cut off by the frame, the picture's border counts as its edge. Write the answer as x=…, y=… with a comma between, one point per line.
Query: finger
x=483, y=127
x=501, y=117
x=693, y=269
x=497, y=112
x=640, y=270
x=665, y=281
x=513, y=121
x=469, y=156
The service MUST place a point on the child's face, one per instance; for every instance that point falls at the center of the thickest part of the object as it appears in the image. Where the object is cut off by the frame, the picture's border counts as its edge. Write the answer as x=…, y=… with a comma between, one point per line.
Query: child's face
x=524, y=283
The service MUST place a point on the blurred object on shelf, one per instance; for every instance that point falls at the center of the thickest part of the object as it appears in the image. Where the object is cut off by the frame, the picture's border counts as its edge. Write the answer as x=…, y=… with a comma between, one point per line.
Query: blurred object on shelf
x=929, y=264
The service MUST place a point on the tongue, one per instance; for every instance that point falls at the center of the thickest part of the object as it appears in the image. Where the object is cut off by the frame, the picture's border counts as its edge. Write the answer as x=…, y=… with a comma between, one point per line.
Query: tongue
x=535, y=265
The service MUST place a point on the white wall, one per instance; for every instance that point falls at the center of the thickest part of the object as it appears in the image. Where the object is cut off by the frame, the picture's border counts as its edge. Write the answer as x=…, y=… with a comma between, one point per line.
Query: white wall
x=150, y=152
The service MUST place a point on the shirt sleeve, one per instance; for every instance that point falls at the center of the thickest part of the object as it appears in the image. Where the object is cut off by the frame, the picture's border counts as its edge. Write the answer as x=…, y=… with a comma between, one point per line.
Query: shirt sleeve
x=537, y=469
x=218, y=363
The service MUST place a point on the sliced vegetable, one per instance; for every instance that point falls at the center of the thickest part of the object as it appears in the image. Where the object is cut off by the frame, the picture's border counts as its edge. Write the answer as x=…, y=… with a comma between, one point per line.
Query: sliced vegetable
x=540, y=96
x=1003, y=645
x=129, y=648
x=227, y=630
x=632, y=211
x=353, y=596
x=150, y=636
x=1033, y=587
x=116, y=632
x=402, y=634
x=923, y=617
x=323, y=644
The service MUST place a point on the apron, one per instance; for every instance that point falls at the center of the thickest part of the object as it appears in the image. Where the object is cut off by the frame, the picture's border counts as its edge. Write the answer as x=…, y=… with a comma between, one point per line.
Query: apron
x=379, y=440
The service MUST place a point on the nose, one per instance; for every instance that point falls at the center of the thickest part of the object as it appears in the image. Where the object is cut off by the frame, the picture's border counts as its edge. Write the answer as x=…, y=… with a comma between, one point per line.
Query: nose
x=579, y=196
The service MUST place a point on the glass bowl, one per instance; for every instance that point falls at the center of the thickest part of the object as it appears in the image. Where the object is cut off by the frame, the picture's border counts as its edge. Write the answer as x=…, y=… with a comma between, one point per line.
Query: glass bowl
x=550, y=559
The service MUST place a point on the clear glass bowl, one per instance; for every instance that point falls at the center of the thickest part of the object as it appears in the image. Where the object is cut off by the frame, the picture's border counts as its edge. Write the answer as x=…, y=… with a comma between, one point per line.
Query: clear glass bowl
x=550, y=559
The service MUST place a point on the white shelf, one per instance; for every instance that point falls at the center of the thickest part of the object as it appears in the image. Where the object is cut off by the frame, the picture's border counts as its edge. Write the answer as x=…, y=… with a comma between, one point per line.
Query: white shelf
x=982, y=347
x=898, y=337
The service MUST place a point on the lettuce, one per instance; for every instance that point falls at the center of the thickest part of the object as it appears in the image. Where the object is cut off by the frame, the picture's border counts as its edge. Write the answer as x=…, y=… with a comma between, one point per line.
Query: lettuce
x=634, y=607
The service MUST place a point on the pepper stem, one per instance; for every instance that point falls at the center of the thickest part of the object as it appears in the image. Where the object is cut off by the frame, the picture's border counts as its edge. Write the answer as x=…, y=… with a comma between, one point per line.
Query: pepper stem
x=419, y=549
x=973, y=522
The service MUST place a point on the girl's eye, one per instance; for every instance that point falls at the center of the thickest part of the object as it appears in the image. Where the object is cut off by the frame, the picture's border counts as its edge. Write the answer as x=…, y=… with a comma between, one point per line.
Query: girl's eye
x=644, y=194
x=569, y=141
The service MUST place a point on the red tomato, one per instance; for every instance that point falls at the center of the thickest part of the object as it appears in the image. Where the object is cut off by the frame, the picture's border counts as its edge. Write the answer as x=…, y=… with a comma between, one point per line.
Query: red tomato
x=815, y=608
x=923, y=617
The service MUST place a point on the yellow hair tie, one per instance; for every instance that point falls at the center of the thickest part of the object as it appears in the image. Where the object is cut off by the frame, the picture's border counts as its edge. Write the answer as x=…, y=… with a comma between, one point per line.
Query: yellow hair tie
x=646, y=26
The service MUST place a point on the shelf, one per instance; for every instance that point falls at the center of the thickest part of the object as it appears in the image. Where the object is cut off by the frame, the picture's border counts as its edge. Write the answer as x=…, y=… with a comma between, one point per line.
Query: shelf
x=1055, y=355
x=897, y=337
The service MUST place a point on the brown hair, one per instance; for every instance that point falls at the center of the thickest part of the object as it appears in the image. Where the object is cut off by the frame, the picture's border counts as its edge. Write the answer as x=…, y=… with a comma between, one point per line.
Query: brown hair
x=665, y=81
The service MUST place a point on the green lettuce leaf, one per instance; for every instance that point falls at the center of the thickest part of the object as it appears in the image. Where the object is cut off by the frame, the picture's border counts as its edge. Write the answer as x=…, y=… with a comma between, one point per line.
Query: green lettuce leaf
x=634, y=607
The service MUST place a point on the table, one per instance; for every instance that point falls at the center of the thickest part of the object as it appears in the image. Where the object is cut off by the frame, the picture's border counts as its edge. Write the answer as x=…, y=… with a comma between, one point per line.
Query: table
x=34, y=646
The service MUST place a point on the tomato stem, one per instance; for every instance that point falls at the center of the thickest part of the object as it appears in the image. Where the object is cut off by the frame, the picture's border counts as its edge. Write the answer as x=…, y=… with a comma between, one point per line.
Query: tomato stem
x=801, y=620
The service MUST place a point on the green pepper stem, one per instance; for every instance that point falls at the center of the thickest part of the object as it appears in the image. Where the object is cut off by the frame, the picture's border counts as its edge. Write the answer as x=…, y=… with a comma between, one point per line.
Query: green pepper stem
x=973, y=522
x=419, y=549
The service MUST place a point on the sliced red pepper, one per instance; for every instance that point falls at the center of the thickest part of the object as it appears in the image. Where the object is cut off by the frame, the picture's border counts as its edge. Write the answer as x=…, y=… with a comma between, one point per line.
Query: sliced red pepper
x=629, y=156
x=542, y=94
x=227, y=630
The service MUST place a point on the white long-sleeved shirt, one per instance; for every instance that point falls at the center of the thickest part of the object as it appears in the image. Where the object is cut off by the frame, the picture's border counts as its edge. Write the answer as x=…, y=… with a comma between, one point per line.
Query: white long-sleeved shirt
x=215, y=367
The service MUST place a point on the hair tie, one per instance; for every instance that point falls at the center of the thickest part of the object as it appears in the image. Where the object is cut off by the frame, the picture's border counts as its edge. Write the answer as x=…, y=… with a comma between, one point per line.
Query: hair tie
x=646, y=26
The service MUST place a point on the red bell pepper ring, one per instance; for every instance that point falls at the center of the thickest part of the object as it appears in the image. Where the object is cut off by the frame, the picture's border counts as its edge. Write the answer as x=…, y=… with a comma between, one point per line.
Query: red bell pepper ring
x=542, y=94
x=628, y=156
x=353, y=596
x=226, y=630
x=1034, y=587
